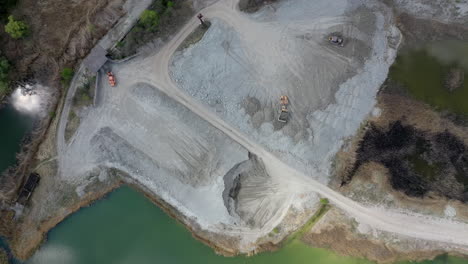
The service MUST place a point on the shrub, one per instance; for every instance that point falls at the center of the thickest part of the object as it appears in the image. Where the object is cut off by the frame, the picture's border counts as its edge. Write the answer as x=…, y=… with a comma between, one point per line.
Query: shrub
x=4, y=68
x=149, y=19
x=324, y=201
x=4, y=71
x=170, y=4
x=16, y=28
x=66, y=75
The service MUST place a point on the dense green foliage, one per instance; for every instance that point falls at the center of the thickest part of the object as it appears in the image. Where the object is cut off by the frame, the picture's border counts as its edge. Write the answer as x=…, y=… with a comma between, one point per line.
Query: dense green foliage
x=66, y=75
x=4, y=80
x=149, y=19
x=16, y=28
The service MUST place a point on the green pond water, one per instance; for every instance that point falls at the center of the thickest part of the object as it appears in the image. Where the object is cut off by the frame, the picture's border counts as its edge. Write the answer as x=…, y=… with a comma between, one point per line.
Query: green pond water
x=127, y=228
x=15, y=125
x=423, y=71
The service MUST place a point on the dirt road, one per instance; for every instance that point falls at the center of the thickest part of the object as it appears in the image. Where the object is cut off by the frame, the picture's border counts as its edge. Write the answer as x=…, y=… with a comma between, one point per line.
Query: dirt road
x=406, y=224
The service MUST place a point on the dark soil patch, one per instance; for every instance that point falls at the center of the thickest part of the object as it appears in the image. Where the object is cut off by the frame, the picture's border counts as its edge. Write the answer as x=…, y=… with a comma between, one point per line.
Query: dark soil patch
x=418, y=162
x=5, y=8
x=251, y=6
x=195, y=36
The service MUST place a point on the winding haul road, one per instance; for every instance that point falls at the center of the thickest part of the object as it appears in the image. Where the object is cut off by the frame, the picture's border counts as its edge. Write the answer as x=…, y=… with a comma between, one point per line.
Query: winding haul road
x=411, y=225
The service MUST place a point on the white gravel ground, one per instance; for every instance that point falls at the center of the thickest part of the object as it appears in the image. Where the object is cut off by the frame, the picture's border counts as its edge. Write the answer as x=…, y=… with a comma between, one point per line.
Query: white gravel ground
x=181, y=150
x=283, y=51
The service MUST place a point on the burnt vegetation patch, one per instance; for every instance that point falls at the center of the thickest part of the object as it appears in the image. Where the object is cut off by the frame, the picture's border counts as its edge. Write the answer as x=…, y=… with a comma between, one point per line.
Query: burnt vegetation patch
x=419, y=163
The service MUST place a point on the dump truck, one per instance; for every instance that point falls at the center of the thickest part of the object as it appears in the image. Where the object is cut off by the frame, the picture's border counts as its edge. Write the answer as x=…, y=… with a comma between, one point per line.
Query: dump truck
x=28, y=188
x=284, y=113
x=336, y=40
x=111, y=79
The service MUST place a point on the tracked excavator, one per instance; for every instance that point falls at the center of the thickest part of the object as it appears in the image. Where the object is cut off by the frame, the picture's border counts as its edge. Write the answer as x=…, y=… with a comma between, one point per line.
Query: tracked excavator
x=111, y=79
x=284, y=113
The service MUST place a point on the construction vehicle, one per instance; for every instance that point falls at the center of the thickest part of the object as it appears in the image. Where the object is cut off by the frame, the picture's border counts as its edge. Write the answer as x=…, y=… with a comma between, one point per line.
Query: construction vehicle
x=111, y=79
x=284, y=113
x=336, y=40
x=28, y=188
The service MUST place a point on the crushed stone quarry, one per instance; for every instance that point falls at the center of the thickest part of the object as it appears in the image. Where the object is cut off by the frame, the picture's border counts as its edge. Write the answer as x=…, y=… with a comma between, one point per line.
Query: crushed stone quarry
x=245, y=63
x=199, y=128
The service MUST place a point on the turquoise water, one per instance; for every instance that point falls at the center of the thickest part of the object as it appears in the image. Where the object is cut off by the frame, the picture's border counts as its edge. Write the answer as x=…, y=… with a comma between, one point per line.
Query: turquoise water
x=15, y=125
x=127, y=228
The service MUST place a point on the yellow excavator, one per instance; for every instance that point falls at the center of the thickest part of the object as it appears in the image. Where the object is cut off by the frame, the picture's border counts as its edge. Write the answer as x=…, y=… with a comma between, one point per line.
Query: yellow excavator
x=284, y=114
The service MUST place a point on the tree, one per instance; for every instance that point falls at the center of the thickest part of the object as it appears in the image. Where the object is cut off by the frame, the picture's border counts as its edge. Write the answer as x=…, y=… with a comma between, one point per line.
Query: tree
x=149, y=19
x=16, y=28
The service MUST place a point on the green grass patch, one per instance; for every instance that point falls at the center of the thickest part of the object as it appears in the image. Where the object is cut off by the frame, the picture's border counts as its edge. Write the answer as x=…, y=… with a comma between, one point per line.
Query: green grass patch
x=310, y=223
x=324, y=201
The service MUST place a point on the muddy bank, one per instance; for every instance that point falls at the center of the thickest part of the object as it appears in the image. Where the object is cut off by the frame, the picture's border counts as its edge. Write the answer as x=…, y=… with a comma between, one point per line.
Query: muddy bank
x=23, y=249
x=26, y=236
x=417, y=31
x=339, y=235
